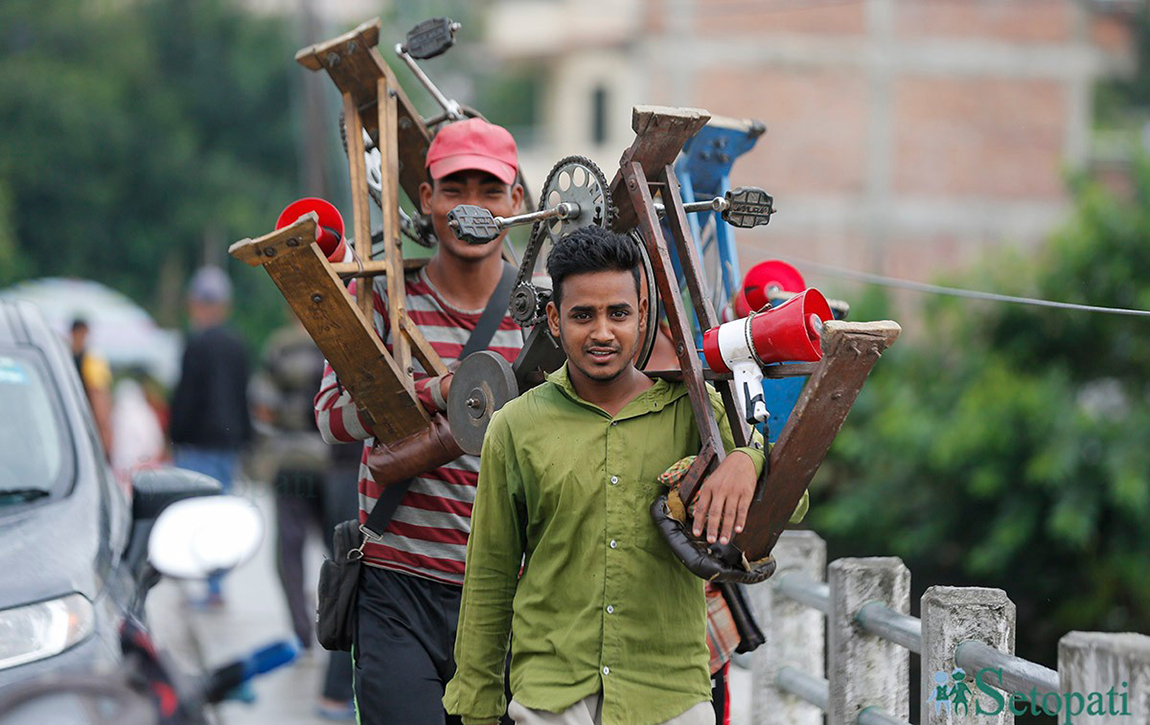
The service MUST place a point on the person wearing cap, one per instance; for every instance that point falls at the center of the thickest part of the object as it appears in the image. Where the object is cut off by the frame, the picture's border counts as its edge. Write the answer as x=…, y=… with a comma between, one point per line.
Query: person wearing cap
x=209, y=421
x=409, y=592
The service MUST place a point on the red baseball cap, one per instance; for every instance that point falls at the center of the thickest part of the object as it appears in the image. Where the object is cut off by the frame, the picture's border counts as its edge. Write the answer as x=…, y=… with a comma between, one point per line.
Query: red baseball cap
x=473, y=144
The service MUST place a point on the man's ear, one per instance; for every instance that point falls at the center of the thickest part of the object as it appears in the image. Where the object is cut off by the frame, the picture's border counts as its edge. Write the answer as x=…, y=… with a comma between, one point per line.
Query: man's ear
x=643, y=305
x=553, y=318
x=425, y=198
x=516, y=196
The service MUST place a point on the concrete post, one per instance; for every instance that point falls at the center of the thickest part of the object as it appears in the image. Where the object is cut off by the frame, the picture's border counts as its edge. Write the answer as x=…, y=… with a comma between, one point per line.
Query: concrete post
x=795, y=634
x=1105, y=678
x=866, y=671
x=951, y=616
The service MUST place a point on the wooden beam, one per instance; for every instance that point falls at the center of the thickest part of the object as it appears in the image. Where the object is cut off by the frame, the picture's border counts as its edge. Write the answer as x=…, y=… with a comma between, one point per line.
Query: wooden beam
x=660, y=133
x=360, y=203
x=355, y=66
x=711, y=451
x=338, y=327
x=850, y=350
x=389, y=209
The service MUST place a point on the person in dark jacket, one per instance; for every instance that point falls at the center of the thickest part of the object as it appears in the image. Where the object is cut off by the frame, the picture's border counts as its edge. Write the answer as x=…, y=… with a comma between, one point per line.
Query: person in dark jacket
x=210, y=422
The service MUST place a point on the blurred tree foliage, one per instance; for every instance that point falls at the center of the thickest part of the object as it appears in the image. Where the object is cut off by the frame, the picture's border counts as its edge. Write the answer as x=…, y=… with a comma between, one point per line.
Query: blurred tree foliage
x=1007, y=445
x=138, y=139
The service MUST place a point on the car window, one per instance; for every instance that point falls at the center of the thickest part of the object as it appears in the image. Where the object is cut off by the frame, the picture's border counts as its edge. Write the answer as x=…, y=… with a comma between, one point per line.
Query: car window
x=32, y=451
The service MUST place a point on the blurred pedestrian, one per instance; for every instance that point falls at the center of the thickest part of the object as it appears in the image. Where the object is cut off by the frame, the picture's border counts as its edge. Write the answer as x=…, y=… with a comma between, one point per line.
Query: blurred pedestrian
x=209, y=421
x=139, y=436
x=97, y=379
x=307, y=501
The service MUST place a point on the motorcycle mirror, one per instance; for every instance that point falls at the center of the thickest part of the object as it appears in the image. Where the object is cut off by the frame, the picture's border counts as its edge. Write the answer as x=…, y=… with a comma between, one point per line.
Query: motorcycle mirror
x=197, y=537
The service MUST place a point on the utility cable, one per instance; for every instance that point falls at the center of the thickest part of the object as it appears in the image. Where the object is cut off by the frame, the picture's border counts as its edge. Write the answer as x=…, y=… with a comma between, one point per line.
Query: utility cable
x=878, y=279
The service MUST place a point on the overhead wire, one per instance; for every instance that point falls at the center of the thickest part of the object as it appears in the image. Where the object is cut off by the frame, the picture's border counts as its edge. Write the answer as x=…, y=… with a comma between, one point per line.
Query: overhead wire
x=924, y=287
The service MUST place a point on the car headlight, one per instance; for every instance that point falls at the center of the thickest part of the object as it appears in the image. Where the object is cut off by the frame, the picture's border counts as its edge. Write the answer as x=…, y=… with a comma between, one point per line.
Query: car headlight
x=35, y=631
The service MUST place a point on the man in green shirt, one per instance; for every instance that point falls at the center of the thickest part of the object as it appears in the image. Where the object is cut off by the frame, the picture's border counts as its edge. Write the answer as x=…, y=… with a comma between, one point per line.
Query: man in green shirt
x=607, y=626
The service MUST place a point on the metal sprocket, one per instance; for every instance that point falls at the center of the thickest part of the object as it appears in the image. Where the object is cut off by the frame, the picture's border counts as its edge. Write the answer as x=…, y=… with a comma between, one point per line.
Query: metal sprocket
x=572, y=179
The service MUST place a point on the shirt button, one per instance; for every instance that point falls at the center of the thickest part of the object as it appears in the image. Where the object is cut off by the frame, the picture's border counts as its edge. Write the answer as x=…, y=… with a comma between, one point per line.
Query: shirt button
x=606, y=670
x=610, y=609
x=614, y=544
x=614, y=423
x=614, y=480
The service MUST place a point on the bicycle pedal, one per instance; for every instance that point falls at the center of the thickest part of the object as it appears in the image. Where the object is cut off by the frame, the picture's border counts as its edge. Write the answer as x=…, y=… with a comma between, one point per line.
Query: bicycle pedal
x=430, y=38
x=473, y=224
x=748, y=206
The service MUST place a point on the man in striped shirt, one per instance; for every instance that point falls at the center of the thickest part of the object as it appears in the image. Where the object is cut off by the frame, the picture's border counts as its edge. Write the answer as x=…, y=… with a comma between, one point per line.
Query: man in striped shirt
x=408, y=604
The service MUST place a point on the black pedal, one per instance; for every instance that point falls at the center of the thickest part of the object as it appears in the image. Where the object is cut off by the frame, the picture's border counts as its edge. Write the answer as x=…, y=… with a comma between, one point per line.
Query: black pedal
x=749, y=207
x=430, y=38
x=473, y=224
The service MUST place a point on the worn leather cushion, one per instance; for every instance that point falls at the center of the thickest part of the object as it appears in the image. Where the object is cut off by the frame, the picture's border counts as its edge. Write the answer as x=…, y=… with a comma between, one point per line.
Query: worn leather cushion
x=713, y=562
x=418, y=453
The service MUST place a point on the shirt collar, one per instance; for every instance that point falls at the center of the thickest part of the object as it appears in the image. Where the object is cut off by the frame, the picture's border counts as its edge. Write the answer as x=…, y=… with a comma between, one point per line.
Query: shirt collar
x=651, y=400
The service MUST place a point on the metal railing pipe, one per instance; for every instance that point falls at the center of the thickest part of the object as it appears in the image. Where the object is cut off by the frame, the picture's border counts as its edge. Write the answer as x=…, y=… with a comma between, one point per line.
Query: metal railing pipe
x=815, y=690
x=875, y=716
x=882, y=621
x=804, y=591
x=1018, y=675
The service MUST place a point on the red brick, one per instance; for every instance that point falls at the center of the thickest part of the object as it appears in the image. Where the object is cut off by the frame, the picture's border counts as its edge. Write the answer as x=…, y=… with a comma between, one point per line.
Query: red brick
x=979, y=137
x=734, y=17
x=1018, y=21
x=816, y=126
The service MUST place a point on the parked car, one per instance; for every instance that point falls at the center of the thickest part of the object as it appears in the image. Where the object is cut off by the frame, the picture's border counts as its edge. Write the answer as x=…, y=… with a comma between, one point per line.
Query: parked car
x=73, y=537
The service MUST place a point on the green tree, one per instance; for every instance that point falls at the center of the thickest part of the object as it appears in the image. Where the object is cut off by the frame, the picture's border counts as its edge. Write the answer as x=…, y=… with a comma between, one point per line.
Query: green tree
x=1006, y=445
x=142, y=137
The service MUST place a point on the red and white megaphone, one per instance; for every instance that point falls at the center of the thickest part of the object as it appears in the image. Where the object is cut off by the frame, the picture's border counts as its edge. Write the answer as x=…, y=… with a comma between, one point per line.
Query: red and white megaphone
x=330, y=233
x=790, y=332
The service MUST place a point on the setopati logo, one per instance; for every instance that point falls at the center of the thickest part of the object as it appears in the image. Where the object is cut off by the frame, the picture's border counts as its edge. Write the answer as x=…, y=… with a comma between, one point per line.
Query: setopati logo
x=952, y=692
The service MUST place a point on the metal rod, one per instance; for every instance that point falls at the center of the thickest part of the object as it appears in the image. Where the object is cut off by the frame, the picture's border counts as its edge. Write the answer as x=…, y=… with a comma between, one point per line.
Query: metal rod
x=563, y=210
x=716, y=204
x=450, y=107
x=875, y=716
x=815, y=690
x=882, y=621
x=815, y=595
x=1018, y=675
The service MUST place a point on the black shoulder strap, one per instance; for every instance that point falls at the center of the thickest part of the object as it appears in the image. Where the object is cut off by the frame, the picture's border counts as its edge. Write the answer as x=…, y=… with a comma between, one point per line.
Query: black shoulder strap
x=492, y=314
x=385, y=507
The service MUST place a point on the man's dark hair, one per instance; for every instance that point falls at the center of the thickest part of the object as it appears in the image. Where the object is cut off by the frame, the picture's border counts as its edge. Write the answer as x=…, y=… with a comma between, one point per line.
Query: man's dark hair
x=591, y=249
x=79, y=324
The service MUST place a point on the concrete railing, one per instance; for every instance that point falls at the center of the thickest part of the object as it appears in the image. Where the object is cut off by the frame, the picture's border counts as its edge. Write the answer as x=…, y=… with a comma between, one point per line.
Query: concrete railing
x=839, y=640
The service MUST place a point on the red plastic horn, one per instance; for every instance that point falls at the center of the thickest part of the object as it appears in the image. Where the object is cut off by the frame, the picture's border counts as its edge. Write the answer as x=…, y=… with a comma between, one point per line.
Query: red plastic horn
x=788, y=333
x=755, y=292
x=330, y=239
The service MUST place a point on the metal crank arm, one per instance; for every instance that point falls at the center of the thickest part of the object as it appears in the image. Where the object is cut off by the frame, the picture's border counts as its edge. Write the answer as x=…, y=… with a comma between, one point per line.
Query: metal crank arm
x=476, y=225
x=429, y=39
x=744, y=207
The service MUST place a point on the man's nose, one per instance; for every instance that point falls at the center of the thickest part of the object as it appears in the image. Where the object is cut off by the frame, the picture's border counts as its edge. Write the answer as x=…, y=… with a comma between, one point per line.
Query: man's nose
x=601, y=331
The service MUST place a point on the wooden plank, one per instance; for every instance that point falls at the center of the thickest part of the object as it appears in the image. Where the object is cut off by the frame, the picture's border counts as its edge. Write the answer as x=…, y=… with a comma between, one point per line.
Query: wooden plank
x=360, y=203
x=389, y=207
x=660, y=133
x=355, y=66
x=688, y=249
x=375, y=268
x=338, y=327
x=711, y=448
x=850, y=350
x=421, y=348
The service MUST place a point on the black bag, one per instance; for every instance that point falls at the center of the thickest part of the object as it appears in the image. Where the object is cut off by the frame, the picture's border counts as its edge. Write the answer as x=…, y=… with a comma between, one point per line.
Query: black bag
x=339, y=575
x=338, y=584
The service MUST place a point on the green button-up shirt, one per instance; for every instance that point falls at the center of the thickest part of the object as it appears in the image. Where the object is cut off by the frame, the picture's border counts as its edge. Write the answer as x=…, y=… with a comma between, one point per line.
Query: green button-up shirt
x=601, y=604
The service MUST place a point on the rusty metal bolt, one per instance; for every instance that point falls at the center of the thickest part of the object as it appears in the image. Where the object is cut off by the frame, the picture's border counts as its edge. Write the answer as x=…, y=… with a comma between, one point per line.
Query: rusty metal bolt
x=317, y=298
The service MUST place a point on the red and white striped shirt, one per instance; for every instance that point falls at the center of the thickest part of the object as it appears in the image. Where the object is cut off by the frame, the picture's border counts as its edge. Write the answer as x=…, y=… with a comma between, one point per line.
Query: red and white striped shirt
x=427, y=536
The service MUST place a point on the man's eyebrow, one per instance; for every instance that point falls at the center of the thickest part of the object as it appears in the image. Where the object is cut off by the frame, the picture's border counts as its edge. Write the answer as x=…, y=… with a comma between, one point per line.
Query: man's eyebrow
x=582, y=308
x=619, y=306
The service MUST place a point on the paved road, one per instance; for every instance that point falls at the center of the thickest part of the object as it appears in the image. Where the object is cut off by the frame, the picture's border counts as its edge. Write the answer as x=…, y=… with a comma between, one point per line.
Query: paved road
x=255, y=614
